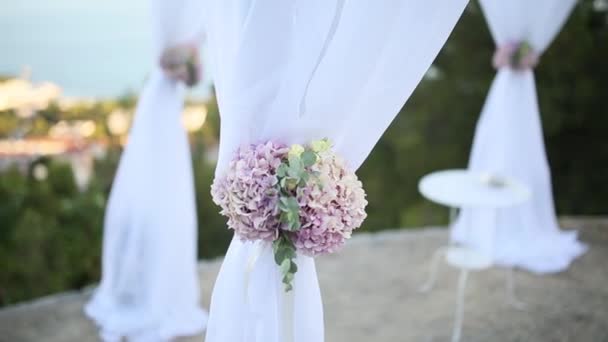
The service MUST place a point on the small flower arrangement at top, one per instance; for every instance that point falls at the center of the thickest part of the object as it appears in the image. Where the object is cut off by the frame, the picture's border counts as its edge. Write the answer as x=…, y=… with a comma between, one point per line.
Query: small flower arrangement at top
x=181, y=63
x=299, y=198
x=518, y=56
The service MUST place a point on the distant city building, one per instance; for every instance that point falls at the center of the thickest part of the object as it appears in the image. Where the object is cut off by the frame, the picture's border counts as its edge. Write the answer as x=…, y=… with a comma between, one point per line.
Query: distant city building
x=25, y=98
x=67, y=140
x=79, y=153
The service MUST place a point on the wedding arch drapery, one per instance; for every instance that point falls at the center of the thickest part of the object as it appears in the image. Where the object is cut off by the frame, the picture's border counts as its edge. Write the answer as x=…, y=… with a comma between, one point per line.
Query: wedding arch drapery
x=294, y=71
x=149, y=289
x=509, y=141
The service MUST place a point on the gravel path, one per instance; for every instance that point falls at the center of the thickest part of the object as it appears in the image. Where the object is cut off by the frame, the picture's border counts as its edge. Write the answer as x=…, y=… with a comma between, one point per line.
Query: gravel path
x=369, y=293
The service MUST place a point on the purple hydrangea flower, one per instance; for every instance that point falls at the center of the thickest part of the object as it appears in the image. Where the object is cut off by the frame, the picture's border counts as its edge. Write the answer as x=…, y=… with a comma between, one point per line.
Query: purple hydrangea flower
x=332, y=206
x=332, y=202
x=519, y=56
x=248, y=193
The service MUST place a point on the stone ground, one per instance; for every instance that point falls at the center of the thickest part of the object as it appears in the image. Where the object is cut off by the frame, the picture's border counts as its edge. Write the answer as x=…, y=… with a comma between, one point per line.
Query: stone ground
x=369, y=292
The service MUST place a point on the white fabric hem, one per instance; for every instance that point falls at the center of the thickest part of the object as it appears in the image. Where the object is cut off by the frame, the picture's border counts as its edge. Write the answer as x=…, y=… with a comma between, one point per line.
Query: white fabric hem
x=140, y=325
x=547, y=253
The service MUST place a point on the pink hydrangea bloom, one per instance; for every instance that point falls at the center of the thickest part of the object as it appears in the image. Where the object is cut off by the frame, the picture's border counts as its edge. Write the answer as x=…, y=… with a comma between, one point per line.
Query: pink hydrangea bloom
x=503, y=56
x=331, y=207
x=181, y=63
x=248, y=194
x=332, y=203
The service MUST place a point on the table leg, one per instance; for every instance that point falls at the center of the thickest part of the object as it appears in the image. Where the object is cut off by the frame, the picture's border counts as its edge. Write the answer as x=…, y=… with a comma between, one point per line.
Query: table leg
x=511, y=297
x=462, y=284
x=428, y=285
x=439, y=253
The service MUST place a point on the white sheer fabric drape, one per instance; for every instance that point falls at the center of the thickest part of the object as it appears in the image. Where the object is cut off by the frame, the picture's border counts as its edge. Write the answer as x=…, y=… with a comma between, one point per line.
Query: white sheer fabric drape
x=509, y=141
x=149, y=289
x=294, y=71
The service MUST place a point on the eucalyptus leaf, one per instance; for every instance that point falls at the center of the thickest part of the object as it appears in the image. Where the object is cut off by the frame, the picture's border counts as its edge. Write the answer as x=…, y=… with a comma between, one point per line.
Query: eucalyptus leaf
x=290, y=251
x=285, y=266
x=295, y=167
x=284, y=253
x=283, y=250
x=292, y=204
x=283, y=205
x=295, y=226
x=276, y=244
x=308, y=158
x=289, y=215
x=289, y=277
x=291, y=182
x=280, y=255
x=294, y=161
x=294, y=268
x=282, y=170
x=284, y=218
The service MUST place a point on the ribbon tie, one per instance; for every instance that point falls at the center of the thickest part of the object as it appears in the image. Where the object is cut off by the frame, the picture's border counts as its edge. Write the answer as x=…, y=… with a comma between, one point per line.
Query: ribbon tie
x=287, y=300
x=181, y=63
x=518, y=56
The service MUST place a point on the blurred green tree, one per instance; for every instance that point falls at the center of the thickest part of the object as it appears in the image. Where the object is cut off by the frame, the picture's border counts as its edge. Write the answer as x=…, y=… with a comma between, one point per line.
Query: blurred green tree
x=50, y=234
x=435, y=128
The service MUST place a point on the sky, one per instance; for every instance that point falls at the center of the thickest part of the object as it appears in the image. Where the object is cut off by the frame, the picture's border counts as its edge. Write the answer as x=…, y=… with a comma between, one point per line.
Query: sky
x=91, y=48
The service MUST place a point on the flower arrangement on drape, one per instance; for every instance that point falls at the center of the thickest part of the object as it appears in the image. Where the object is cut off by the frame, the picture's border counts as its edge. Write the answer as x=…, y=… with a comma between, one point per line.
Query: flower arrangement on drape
x=294, y=72
x=149, y=289
x=509, y=141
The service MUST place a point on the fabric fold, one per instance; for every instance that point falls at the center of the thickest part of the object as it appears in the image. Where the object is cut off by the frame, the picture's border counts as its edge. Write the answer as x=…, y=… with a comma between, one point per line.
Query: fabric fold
x=353, y=85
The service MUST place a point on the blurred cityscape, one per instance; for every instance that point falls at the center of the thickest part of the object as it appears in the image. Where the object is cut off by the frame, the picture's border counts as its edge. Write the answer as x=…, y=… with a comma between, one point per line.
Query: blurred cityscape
x=45, y=125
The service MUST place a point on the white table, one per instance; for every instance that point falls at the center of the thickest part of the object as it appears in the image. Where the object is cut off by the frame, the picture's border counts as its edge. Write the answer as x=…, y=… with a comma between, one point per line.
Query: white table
x=461, y=188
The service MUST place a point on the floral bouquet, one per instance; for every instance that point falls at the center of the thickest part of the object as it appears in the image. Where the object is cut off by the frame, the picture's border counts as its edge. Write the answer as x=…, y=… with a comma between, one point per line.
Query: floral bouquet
x=519, y=56
x=299, y=198
x=181, y=63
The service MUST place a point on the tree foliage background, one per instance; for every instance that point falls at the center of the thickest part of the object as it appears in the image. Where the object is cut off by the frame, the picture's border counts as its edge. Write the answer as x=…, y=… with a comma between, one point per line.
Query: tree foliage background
x=436, y=127
x=50, y=233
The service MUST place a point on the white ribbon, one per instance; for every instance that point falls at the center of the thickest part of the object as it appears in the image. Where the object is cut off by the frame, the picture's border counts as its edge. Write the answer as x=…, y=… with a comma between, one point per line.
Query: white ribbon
x=258, y=249
x=287, y=299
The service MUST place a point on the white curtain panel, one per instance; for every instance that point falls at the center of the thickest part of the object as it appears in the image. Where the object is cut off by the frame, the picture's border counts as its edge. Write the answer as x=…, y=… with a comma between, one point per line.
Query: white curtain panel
x=149, y=289
x=299, y=70
x=509, y=141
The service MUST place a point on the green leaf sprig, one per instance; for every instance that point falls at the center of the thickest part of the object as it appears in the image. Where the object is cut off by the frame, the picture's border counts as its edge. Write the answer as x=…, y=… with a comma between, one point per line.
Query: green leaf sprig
x=284, y=255
x=292, y=173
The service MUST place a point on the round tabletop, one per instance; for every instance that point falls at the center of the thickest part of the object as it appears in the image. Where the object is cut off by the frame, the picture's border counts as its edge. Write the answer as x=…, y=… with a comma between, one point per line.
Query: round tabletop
x=463, y=188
